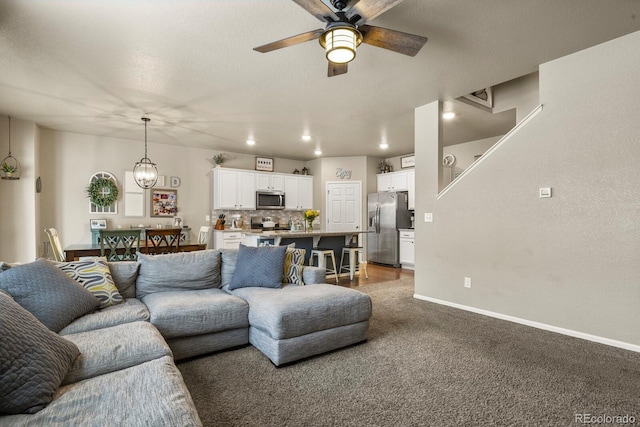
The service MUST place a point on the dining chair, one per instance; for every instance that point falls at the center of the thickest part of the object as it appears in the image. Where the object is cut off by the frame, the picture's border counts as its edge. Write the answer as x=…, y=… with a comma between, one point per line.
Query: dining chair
x=56, y=246
x=162, y=240
x=120, y=245
x=203, y=235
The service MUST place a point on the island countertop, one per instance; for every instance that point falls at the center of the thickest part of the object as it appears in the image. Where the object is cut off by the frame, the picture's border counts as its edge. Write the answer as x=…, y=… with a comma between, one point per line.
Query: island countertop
x=298, y=234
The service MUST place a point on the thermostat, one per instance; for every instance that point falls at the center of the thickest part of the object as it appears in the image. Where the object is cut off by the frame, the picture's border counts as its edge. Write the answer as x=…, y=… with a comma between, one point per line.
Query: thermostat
x=545, y=192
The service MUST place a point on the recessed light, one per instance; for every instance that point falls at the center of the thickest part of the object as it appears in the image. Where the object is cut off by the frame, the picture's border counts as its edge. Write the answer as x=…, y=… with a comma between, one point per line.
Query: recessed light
x=384, y=145
x=448, y=115
x=306, y=138
x=251, y=142
x=317, y=152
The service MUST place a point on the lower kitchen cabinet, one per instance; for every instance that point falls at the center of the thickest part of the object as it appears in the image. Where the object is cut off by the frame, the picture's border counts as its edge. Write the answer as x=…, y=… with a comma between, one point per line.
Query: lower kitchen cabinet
x=226, y=239
x=407, y=249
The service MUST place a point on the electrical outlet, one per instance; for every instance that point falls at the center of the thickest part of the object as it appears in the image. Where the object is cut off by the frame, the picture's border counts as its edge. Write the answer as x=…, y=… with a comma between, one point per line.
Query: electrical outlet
x=207, y=218
x=428, y=217
x=467, y=282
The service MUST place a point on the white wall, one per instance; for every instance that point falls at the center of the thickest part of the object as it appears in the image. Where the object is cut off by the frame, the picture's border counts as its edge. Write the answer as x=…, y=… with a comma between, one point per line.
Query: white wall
x=570, y=261
x=18, y=198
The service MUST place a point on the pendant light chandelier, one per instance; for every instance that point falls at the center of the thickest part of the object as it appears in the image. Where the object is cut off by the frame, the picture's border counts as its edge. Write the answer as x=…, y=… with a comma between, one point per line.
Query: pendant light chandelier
x=10, y=166
x=145, y=172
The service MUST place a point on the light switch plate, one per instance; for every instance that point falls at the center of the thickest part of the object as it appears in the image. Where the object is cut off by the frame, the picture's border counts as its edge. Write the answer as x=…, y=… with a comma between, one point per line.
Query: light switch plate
x=545, y=192
x=428, y=217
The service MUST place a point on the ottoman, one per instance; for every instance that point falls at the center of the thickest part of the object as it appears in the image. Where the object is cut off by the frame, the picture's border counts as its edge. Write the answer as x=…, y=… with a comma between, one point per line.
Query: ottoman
x=294, y=322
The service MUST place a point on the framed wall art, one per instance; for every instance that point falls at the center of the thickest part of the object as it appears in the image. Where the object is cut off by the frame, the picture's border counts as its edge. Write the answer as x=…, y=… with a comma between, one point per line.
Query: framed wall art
x=407, y=162
x=264, y=164
x=98, y=224
x=164, y=203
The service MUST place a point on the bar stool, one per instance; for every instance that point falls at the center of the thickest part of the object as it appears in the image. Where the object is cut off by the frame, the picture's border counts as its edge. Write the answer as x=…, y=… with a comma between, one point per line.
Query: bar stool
x=322, y=254
x=354, y=264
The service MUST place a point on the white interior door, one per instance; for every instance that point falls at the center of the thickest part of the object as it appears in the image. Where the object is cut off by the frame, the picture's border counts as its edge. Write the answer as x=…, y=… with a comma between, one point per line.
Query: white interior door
x=344, y=206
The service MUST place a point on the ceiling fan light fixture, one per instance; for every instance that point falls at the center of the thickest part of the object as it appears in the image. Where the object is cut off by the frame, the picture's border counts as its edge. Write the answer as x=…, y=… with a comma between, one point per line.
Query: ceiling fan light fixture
x=145, y=172
x=340, y=42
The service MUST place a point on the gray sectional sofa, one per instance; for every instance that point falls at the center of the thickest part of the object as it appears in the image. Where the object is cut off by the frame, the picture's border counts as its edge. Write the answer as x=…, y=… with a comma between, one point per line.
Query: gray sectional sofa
x=179, y=306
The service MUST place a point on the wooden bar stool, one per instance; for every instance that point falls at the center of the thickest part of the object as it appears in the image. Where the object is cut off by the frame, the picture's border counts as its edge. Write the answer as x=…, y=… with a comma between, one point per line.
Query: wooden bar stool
x=354, y=264
x=322, y=255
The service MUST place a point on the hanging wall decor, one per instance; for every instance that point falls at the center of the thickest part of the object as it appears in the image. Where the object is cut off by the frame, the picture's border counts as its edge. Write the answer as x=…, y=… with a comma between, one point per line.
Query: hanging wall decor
x=10, y=166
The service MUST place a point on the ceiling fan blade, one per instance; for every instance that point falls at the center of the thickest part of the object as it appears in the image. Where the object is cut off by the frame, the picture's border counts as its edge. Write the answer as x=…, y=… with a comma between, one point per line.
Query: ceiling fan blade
x=290, y=41
x=370, y=9
x=318, y=9
x=337, y=69
x=397, y=41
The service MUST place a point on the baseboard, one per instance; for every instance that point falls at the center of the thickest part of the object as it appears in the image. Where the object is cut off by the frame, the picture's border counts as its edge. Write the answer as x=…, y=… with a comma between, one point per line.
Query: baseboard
x=544, y=326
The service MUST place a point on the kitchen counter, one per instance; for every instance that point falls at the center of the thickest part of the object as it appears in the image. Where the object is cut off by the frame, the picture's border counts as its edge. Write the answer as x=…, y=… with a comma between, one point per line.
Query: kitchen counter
x=335, y=240
x=294, y=234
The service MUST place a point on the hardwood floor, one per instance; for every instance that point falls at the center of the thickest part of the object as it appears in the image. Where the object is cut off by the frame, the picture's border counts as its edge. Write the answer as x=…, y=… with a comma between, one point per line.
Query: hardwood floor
x=377, y=274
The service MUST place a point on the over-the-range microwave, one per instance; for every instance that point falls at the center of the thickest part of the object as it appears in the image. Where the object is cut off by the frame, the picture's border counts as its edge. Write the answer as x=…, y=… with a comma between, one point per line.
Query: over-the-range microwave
x=269, y=199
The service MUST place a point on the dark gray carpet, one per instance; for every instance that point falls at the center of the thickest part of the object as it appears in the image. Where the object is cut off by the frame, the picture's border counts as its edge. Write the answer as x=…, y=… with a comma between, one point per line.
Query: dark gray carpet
x=424, y=365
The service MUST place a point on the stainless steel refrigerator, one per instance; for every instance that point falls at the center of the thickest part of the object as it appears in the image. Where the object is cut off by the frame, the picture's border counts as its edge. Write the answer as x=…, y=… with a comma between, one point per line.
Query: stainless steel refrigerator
x=387, y=212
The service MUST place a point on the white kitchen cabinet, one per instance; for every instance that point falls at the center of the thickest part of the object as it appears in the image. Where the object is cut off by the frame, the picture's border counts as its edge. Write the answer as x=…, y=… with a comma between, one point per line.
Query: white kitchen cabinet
x=226, y=239
x=407, y=249
x=269, y=181
x=411, y=183
x=298, y=192
x=393, y=181
x=233, y=189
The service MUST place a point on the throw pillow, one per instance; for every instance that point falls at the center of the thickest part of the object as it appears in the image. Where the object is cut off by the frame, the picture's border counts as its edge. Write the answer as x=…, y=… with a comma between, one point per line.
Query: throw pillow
x=178, y=272
x=33, y=360
x=48, y=293
x=228, y=267
x=293, y=265
x=95, y=276
x=259, y=267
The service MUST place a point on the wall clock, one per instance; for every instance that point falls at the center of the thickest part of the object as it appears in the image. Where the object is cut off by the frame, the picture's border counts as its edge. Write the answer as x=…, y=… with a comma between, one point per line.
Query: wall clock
x=448, y=160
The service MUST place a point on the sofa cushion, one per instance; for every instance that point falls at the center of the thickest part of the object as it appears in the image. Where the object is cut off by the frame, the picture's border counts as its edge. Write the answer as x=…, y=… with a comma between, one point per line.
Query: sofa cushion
x=33, y=360
x=48, y=293
x=93, y=273
x=229, y=260
x=259, y=267
x=298, y=310
x=132, y=310
x=179, y=271
x=111, y=349
x=293, y=265
x=150, y=394
x=186, y=313
x=124, y=275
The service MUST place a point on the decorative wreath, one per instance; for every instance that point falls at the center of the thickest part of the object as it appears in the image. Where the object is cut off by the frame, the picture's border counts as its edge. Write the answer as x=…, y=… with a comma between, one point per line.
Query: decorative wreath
x=102, y=192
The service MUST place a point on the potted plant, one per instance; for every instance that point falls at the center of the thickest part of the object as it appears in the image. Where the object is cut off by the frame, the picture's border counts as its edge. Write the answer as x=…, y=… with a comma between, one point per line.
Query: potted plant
x=8, y=169
x=309, y=216
x=219, y=159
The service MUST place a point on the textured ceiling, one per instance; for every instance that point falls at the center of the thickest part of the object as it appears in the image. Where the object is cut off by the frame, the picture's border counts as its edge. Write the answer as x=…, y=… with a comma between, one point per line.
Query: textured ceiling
x=98, y=66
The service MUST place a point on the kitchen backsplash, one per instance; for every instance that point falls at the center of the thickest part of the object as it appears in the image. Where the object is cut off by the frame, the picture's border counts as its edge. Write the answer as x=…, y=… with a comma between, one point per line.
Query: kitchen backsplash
x=280, y=217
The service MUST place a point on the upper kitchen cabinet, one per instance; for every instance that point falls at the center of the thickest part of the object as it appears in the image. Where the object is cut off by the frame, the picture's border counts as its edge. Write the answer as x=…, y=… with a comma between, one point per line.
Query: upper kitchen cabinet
x=399, y=181
x=393, y=181
x=234, y=189
x=298, y=192
x=269, y=181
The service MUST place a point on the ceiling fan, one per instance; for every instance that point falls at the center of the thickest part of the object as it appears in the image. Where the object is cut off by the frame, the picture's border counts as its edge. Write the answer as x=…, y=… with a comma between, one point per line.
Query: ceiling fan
x=346, y=29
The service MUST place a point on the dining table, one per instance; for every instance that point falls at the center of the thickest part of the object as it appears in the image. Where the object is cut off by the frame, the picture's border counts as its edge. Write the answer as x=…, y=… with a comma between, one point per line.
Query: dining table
x=74, y=252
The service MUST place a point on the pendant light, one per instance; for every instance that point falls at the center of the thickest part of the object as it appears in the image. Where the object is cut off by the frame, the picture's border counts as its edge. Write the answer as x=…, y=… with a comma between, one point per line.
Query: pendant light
x=145, y=172
x=10, y=166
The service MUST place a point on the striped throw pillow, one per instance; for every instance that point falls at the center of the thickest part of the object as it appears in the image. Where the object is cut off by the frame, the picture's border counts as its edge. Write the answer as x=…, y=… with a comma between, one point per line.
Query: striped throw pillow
x=95, y=276
x=293, y=265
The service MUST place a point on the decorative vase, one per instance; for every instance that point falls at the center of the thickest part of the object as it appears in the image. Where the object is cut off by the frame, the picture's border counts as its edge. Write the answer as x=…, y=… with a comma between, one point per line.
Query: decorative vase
x=309, y=226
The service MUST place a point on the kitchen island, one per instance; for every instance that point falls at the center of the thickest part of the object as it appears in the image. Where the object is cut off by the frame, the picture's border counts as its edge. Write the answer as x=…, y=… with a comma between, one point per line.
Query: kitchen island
x=335, y=240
